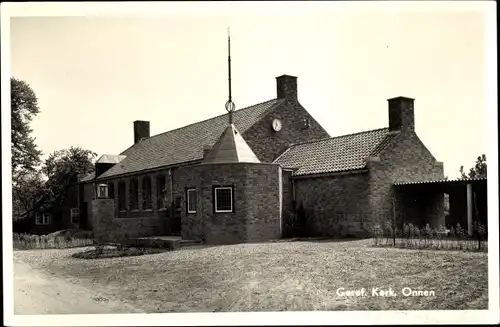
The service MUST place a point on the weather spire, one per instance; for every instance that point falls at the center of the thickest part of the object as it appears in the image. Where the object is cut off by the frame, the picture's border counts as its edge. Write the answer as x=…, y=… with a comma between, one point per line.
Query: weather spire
x=230, y=106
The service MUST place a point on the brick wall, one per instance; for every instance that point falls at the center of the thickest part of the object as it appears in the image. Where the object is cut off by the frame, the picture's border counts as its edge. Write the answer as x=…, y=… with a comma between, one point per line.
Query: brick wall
x=288, y=217
x=268, y=144
x=256, y=202
x=405, y=159
x=334, y=205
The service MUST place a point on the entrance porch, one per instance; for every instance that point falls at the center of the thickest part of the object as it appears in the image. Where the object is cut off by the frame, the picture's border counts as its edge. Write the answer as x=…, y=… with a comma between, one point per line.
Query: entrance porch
x=467, y=200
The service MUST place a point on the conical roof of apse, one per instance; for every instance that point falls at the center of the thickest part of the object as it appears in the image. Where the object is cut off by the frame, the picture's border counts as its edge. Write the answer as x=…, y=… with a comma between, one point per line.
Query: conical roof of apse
x=231, y=147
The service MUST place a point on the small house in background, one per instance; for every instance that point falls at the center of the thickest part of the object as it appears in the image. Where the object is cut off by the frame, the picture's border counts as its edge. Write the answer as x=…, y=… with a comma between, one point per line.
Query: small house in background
x=264, y=172
x=45, y=218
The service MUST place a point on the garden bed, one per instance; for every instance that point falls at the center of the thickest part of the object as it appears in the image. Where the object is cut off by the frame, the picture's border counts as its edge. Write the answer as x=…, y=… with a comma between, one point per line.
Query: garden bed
x=100, y=252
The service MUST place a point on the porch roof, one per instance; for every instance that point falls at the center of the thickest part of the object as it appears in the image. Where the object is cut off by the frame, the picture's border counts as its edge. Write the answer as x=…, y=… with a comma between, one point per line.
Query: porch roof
x=445, y=185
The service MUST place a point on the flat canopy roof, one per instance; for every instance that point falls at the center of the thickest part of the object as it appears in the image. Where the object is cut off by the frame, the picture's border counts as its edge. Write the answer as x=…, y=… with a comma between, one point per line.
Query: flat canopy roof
x=442, y=184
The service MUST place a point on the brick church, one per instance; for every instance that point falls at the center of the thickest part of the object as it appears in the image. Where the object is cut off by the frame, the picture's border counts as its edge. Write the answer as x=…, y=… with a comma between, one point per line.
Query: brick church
x=268, y=171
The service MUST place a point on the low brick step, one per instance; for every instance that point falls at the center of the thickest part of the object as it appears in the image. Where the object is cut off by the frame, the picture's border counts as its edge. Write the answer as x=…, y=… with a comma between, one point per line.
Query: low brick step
x=186, y=243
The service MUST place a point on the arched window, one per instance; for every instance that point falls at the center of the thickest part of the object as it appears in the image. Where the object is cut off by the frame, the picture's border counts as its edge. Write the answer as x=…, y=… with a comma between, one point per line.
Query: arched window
x=146, y=193
x=160, y=191
x=134, y=194
x=122, y=203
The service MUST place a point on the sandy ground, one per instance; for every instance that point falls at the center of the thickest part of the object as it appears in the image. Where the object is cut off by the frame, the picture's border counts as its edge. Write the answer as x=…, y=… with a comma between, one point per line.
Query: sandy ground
x=39, y=293
x=274, y=276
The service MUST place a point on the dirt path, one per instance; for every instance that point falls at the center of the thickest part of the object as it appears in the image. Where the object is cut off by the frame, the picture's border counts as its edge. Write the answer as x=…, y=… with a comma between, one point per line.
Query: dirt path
x=38, y=293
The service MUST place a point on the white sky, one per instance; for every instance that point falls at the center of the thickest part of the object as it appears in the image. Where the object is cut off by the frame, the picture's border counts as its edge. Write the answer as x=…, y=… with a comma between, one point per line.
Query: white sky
x=95, y=76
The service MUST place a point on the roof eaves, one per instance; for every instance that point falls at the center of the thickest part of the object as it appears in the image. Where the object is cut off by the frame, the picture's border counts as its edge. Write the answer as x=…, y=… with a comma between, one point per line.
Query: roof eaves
x=148, y=170
x=457, y=180
x=332, y=173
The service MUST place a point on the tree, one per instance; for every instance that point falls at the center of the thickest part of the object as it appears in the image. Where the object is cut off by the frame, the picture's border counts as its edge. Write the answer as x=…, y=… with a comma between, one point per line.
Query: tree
x=25, y=155
x=24, y=106
x=62, y=169
x=27, y=191
x=478, y=171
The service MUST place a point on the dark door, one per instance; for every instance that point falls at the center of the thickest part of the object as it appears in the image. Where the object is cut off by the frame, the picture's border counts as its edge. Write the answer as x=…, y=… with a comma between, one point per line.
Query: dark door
x=176, y=221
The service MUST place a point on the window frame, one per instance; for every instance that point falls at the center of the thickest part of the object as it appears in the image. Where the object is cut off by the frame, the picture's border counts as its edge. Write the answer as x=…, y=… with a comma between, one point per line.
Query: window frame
x=103, y=187
x=45, y=219
x=71, y=214
x=188, y=202
x=226, y=187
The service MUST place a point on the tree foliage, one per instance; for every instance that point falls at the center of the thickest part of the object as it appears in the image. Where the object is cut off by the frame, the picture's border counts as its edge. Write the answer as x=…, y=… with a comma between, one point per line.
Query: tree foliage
x=24, y=106
x=26, y=179
x=62, y=169
x=478, y=171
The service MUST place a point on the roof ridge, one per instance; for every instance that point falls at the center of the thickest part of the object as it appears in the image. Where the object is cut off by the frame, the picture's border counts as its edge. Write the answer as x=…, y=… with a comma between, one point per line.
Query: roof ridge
x=336, y=137
x=201, y=121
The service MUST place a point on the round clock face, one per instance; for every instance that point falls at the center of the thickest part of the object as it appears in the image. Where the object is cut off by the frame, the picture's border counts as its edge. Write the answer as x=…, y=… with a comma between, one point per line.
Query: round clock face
x=277, y=125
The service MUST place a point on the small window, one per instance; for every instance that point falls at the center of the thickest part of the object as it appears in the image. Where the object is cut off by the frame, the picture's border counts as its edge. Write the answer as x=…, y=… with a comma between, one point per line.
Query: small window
x=191, y=200
x=75, y=215
x=42, y=219
x=102, y=191
x=223, y=199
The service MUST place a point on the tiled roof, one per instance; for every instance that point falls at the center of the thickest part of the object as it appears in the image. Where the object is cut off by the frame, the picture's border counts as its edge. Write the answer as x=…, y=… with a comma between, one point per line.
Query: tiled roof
x=88, y=178
x=442, y=181
x=185, y=144
x=336, y=154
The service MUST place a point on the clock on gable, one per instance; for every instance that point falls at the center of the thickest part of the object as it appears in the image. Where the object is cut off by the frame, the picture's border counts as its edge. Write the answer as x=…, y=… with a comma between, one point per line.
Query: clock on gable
x=276, y=125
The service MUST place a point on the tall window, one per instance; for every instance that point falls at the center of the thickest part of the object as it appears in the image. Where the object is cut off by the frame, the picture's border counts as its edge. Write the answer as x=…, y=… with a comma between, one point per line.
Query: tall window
x=122, y=202
x=146, y=193
x=191, y=200
x=223, y=199
x=42, y=219
x=111, y=190
x=134, y=194
x=160, y=191
x=75, y=215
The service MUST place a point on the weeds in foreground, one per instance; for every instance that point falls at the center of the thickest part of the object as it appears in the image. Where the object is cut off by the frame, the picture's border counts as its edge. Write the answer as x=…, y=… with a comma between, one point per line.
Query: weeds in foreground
x=410, y=236
x=27, y=241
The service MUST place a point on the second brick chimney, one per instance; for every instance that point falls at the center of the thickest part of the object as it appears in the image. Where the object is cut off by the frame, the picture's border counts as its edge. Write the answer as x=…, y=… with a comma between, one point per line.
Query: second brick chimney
x=401, y=114
x=141, y=130
x=287, y=87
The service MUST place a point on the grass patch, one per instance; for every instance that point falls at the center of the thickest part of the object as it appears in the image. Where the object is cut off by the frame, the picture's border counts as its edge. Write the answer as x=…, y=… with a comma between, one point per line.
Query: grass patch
x=58, y=240
x=279, y=276
x=101, y=252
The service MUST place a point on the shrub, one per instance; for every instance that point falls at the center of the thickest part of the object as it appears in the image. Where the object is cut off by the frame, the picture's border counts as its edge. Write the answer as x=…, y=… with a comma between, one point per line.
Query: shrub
x=411, y=236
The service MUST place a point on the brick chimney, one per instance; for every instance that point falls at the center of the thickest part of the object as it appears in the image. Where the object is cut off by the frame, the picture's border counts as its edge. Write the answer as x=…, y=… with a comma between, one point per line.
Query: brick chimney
x=141, y=130
x=401, y=115
x=286, y=87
